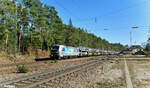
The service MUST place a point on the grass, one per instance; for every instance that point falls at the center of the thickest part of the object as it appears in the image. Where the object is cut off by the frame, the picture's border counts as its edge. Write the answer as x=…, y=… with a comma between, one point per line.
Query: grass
x=117, y=62
x=22, y=68
x=101, y=85
x=54, y=61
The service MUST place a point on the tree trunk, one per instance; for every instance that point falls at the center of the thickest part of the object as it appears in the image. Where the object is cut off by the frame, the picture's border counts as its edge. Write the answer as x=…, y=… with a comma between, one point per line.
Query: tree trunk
x=20, y=31
x=6, y=42
x=31, y=30
x=41, y=38
x=19, y=38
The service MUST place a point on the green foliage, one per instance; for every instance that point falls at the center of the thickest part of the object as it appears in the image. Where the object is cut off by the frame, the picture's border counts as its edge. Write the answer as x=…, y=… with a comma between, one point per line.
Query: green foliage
x=147, y=47
x=54, y=61
x=117, y=61
x=101, y=85
x=30, y=23
x=22, y=69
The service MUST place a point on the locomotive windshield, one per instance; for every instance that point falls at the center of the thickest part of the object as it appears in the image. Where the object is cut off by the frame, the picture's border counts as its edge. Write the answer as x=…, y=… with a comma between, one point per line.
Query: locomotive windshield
x=55, y=48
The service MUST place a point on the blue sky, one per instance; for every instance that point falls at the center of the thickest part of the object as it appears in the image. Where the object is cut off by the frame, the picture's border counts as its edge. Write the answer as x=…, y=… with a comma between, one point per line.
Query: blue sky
x=118, y=16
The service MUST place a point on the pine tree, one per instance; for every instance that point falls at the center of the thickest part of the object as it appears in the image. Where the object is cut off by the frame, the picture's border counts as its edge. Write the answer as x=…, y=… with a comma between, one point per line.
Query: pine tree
x=29, y=23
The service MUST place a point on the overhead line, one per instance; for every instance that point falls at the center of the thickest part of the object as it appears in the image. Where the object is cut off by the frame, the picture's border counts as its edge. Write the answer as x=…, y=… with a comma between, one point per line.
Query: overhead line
x=93, y=18
x=75, y=3
x=119, y=10
x=59, y=4
x=123, y=9
x=96, y=18
x=76, y=17
x=67, y=10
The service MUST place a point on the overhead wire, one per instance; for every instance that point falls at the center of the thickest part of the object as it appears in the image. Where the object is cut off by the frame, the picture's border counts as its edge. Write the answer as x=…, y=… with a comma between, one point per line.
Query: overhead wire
x=95, y=19
x=77, y=5
x=123, y=9
x=66, y=9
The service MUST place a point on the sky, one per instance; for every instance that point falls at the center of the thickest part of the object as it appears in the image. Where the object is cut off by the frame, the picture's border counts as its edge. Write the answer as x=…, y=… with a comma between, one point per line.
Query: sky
x=109, y=19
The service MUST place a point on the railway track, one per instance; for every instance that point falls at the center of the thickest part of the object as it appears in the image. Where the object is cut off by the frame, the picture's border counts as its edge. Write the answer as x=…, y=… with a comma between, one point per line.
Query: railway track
x=42, y=80
x=11, y=68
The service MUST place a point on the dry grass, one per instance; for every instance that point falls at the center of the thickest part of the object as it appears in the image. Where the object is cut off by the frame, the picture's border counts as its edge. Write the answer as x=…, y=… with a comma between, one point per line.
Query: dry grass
x=148, y=80
x=134, y=56
x=10, y=59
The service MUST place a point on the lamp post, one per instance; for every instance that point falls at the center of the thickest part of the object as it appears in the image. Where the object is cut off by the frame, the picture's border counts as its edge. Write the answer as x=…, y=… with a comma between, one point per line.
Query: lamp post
x=137, y=27
x=130, y=38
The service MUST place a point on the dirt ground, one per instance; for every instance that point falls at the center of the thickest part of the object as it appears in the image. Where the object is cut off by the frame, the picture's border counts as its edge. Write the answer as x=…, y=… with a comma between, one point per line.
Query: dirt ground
x=140, y=73
x=113, y=77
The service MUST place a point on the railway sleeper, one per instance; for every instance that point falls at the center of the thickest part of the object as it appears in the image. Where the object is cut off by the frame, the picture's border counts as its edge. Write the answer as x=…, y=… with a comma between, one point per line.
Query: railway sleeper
x=63, y=73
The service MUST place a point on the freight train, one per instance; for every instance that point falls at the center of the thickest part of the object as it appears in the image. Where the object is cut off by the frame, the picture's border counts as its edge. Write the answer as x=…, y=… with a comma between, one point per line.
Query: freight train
x=62, y=51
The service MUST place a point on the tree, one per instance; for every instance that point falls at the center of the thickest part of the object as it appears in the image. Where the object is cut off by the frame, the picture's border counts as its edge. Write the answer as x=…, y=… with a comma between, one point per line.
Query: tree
x=8, y=23
x=147, y=47
x=70, y=23
x=31, y=24
x=69, y=34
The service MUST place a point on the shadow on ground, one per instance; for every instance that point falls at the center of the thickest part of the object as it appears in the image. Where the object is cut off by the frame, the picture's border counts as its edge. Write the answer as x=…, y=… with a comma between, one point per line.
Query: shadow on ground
x=42, y=59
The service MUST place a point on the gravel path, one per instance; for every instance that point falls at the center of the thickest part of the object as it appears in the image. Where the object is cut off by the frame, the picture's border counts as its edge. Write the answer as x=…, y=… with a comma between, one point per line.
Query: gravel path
x=128, y=78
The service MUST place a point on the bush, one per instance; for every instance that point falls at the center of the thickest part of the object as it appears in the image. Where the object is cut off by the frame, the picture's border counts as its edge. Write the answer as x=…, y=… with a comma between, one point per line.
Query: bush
x=117, y=61
x=22, y=69
x=54, y=61
x=101, y=85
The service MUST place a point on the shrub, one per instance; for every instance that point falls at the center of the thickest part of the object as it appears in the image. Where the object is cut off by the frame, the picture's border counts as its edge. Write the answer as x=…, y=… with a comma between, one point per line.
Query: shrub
x=54, y=61
x=101, y=85
x=117, y=61
x=22, y=69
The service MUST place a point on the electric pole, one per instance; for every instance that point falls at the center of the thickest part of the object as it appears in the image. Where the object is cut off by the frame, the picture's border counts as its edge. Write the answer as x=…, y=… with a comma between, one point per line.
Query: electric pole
x=130, y=38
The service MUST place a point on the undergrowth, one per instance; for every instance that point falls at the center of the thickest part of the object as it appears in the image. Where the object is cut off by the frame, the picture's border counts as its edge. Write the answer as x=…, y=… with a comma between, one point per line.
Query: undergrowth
x=22, y=68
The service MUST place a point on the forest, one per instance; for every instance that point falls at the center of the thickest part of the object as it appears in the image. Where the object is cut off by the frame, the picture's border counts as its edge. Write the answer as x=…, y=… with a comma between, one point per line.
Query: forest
x=28, y=24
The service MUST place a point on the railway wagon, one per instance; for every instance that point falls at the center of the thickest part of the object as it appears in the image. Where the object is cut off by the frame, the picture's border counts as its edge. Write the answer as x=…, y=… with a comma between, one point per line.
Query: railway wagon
x=83, y=51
